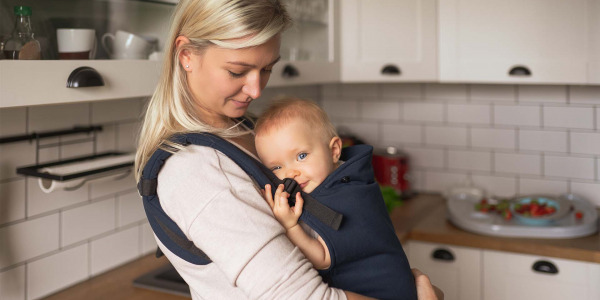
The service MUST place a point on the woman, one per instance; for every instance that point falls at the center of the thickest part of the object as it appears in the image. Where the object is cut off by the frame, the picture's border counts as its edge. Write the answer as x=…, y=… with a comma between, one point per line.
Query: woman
x=218, y=58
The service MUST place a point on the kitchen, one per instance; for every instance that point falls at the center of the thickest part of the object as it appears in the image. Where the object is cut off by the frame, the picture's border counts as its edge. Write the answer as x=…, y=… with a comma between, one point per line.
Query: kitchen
x=440, y=90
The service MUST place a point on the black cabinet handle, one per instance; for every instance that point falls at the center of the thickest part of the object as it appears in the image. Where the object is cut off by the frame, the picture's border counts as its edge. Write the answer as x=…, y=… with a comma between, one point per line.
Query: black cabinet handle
x=544, y=266
x=290, y=71
x=442, y=254
x=84, y=77
x=390, y=70
x=519, y=71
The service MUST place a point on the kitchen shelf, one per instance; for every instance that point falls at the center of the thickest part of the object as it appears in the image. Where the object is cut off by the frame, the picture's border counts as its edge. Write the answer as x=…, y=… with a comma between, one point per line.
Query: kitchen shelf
x=27, y=83
x=107, y=162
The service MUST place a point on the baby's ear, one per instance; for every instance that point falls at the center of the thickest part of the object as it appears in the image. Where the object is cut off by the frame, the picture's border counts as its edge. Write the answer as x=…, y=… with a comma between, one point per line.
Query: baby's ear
x=336, y=148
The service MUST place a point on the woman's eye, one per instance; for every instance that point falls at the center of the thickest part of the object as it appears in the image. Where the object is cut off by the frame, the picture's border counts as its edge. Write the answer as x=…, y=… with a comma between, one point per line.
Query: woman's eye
x=273, y=169
x=267, y=70
x=302, y=156
x=235, y=75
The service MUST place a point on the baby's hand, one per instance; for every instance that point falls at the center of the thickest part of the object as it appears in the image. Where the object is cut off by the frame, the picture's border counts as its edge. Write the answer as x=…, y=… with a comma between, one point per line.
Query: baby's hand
x=286, y=215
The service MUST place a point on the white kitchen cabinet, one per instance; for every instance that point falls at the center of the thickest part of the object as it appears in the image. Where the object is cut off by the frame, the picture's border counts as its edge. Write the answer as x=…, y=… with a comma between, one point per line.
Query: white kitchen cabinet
x=25, y=83
x=515, y=41
x=594, y=63
x=509, y=276
x=455, y=270
x=309, y=49
x=388, y=40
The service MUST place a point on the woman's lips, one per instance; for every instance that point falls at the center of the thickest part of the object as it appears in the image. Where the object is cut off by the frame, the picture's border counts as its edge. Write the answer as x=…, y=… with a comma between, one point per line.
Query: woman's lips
x=241, y=103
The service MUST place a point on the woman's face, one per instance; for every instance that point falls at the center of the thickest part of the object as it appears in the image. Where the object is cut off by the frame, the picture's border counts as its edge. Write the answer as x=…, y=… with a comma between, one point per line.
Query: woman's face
x=225, y=81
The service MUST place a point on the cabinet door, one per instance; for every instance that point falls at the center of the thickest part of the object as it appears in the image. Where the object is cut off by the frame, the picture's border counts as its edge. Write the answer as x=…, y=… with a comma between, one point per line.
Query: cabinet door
x=25, y=83
x=455, y=270
x=594, y=65
x=309, y=52
x=514, y=276
x=388, y=40
x=514, y=41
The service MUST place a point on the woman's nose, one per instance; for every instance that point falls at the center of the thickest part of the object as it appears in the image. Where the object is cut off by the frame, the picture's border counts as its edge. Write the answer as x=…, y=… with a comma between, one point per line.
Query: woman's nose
x=252, y=87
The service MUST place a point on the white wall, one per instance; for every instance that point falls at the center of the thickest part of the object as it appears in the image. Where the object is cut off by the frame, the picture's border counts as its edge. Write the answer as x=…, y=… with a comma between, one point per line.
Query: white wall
x=509, y=139
x=50, y=241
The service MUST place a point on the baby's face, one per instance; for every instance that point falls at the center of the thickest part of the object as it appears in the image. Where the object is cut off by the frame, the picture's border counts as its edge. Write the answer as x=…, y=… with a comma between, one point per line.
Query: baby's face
x=295, y=151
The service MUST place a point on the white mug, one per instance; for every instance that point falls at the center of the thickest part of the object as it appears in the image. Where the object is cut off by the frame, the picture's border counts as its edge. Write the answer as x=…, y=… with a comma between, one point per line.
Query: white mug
x=76, y=43
x=125, y=45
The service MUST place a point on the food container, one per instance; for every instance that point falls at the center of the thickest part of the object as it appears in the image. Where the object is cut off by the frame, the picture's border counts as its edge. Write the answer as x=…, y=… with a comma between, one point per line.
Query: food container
x=392, y=169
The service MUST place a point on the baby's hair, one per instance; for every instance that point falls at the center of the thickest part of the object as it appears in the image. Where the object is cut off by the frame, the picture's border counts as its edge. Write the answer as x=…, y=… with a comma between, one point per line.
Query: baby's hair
x=286, y=109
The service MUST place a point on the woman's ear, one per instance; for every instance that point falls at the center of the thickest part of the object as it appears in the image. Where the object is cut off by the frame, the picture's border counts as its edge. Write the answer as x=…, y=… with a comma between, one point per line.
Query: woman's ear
x=185, y=56
x=336, y=148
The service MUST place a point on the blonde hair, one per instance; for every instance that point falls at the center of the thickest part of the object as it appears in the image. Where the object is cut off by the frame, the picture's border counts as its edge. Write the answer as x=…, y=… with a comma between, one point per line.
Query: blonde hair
x=286, y=109
x=205, y=23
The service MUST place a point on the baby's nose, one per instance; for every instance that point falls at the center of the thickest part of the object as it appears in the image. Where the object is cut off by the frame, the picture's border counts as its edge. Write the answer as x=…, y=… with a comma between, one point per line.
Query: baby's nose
x=292, y=173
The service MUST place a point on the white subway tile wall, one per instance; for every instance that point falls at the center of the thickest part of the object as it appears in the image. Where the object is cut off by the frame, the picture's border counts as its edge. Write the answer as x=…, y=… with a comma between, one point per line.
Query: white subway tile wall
x=508, y=139
x=12, y=283
x=51, y=241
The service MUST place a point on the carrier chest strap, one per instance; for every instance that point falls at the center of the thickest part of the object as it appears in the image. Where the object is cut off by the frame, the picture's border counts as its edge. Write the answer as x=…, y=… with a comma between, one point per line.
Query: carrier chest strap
x=327, y=216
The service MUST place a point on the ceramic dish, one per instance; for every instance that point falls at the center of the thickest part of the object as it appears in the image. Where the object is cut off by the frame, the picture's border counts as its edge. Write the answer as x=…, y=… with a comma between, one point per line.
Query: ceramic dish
x=561, y=205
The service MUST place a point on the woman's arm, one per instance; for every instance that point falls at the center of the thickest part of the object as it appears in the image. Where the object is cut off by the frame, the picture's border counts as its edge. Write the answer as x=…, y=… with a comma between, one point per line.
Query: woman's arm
x=221, y=210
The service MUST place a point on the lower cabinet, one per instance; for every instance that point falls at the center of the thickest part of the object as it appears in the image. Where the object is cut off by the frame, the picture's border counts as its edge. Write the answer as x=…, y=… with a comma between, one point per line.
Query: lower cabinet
x=455, y=270
x=519, y=276
x=472, y=273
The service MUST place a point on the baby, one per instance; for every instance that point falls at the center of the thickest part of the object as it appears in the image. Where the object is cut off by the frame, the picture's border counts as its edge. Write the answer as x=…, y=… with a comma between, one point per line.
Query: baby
x=295, y=139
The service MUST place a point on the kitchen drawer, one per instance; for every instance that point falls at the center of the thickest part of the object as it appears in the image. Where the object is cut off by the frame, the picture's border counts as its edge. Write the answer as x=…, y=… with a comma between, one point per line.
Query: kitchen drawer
x=511, y=276
x=25, y=83
x=455, y=270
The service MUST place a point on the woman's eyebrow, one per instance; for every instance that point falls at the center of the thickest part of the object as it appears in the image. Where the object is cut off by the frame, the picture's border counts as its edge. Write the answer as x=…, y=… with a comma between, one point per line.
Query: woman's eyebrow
x=241, y=63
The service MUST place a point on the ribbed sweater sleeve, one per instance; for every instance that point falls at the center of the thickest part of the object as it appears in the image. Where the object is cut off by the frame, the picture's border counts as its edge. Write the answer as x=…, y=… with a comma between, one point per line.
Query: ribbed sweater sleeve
x=221, y=210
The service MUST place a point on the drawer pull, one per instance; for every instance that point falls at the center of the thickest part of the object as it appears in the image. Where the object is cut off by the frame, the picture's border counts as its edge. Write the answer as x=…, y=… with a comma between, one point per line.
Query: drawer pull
x=519, y=71
x=84, y=77
x=390, y=70
x=290, y=71
x=544, y=266
x=442, y=254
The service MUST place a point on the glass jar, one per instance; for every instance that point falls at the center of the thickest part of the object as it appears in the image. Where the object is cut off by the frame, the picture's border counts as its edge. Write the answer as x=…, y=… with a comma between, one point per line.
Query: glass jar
x=22, y=44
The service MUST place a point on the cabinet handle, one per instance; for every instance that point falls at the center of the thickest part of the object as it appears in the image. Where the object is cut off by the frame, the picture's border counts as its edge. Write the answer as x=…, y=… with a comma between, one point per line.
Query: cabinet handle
x=442, y=254
x=84, y=77
x=290, y=71
x=519, y=71
x=390, y=70
x=544, y=266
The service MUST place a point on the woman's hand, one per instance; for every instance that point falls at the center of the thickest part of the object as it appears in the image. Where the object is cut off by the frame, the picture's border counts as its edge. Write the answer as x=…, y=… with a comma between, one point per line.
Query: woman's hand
x=426, y=290
x=286, y=215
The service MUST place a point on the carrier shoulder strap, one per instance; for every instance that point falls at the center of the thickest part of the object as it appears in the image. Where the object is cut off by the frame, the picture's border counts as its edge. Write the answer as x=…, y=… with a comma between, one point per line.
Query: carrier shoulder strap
x=167, y=230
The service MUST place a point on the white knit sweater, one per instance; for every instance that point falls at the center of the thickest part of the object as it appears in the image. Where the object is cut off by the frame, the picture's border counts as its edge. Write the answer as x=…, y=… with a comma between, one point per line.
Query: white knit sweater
x=219, y=207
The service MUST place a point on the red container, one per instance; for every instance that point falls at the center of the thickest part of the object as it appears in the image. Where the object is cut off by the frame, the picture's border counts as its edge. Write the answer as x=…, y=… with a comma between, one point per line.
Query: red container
x=391, y=169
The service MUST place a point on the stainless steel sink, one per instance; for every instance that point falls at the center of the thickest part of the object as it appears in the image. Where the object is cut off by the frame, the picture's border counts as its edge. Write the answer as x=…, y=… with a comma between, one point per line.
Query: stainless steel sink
x=164, y=279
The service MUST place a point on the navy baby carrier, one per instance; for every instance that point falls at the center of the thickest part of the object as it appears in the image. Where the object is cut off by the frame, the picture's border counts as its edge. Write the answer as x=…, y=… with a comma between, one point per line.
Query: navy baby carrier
x=338, y=216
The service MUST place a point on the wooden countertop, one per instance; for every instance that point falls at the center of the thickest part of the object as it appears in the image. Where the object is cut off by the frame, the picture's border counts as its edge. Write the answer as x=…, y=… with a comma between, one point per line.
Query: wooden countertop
x=433, y=226
x=422, y=218
x=117, y=284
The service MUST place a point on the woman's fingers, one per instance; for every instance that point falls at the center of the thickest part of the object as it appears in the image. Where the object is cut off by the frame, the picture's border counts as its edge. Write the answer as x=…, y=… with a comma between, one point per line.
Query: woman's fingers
x=425, y=290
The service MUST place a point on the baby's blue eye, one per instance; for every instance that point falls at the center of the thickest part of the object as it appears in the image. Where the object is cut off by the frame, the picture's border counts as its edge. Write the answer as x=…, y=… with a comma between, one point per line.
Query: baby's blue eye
x=302, y=156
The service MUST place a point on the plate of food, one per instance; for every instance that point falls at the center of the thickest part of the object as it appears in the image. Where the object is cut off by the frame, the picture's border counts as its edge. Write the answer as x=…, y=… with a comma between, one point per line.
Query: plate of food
x=539, y=210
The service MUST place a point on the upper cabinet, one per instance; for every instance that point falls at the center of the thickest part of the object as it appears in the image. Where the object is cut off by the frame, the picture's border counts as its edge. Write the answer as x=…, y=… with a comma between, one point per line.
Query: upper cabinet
x=388, y=40
x=515, y=41
x=309, y=49
x=594, y=64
